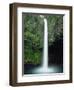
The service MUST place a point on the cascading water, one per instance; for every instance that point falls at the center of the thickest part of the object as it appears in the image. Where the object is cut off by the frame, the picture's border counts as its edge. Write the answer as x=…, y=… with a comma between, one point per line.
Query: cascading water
x=44, y=68
x=45, y=47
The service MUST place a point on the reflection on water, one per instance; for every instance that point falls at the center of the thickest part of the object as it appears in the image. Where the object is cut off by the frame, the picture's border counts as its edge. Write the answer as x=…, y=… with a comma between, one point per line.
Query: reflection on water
x=39, y=70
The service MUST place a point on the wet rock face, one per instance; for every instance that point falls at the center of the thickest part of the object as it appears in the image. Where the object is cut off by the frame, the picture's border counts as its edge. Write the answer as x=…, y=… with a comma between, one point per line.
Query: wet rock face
x=55, y=52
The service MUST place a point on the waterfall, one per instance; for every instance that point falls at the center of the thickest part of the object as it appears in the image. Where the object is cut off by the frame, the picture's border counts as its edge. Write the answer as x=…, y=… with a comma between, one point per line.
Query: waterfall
x=45, y=46
x=44, y=68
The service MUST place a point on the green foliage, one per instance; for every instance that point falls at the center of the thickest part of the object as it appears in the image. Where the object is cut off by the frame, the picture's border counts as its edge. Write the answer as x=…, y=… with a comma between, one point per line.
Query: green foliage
x=55, y=28
x=34, y=33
